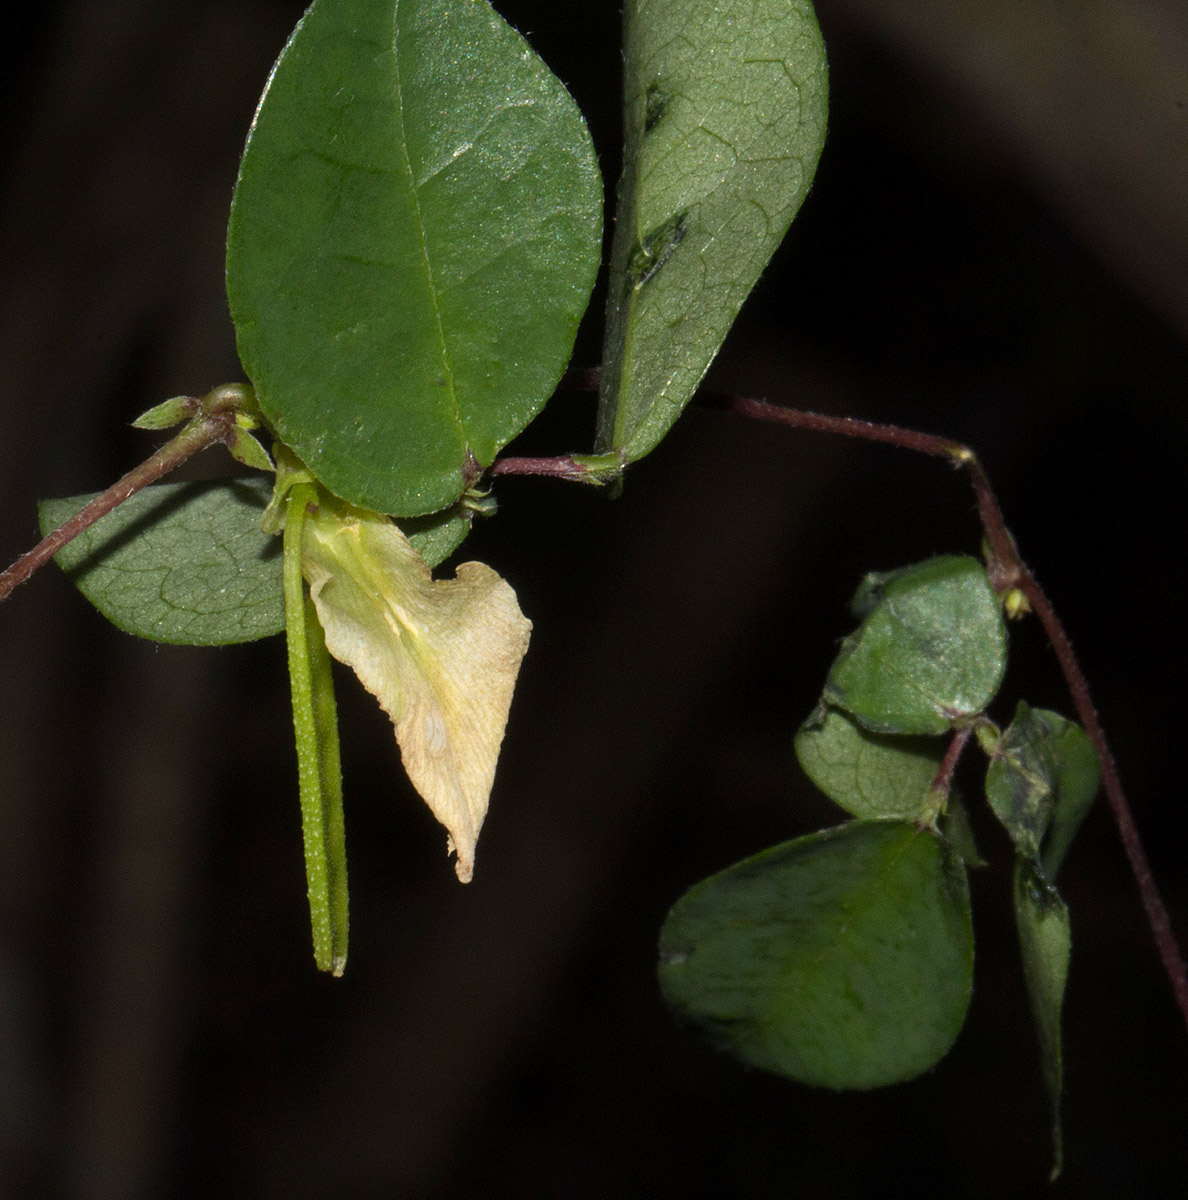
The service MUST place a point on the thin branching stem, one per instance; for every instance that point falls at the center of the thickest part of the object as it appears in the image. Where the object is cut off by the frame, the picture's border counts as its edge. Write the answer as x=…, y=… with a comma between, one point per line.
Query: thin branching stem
x=1009, y=572
x=1157, y=917
x=205, y=430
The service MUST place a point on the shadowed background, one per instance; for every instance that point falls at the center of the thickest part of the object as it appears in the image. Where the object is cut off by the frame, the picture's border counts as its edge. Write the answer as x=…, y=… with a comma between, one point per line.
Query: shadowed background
x=996, y=248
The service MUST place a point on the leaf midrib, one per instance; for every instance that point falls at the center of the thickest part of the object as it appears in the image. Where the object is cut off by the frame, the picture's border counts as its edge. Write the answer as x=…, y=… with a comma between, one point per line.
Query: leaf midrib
x=422, y=232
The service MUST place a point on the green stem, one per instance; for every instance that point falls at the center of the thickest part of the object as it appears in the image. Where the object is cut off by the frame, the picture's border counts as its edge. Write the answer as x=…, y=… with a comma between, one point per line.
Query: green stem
x=319, y=773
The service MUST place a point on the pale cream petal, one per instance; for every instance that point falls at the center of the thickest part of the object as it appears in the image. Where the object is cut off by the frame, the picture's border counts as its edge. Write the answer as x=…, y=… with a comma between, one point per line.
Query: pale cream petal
x=440, y=656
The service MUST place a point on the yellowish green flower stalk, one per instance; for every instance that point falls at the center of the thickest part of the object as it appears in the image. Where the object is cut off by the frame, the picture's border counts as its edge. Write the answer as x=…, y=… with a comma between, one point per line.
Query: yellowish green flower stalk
x=315, y=723
x=441, y=656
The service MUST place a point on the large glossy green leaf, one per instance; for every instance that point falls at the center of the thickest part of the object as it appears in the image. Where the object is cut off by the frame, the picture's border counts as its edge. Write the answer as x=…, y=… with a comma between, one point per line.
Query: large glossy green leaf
x=725, y=104
x=867, y=774
x=187, y=563
x=930, y=653
x=414, y=236
x=180, y=562
x=843, y=959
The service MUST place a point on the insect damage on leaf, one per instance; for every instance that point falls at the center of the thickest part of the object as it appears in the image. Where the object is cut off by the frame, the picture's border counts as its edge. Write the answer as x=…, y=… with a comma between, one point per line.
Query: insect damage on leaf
x=655, y=249
x=655, y=102
x=440, y=656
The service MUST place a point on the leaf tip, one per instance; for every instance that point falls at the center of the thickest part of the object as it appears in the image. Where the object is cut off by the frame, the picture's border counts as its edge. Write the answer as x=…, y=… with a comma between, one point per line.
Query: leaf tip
x=464, y=860
x=167, y=414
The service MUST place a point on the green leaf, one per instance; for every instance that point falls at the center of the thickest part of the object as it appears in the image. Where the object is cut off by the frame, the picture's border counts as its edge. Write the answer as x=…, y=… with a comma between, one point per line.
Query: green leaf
x=725, y=104
x=868, y=774
x=1043, y=776
x=179, y=562
x=1077, y=780
x=1044, y=937
x=187, y=563
x=168, y=413
x=436, y=537
x=843, y=959
x=413, y=239
x=930, y=653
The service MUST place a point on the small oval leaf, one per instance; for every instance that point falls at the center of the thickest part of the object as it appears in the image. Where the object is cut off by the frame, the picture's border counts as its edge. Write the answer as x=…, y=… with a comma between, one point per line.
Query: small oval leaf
x=930, y=653
x=842, y=959
x=868, y=774
x=413, y=239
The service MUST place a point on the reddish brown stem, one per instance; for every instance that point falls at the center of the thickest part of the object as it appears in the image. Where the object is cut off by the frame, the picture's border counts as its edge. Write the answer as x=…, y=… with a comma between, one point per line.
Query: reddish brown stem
x=563, y=466
x=867, y=431
x=198, y=434
x=943, y=783
x=1165, y=938
x=1007, y=572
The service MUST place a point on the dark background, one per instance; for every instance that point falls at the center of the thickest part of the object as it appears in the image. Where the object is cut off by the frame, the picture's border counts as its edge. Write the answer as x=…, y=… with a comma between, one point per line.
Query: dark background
x=996, y=248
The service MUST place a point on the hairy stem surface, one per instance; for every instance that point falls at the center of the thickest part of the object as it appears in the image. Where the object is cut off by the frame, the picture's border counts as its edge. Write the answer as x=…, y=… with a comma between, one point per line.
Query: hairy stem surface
x=205, y=430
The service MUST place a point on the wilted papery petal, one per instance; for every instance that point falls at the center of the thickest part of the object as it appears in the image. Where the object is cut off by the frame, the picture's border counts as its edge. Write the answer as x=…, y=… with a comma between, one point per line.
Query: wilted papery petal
x=440, y=656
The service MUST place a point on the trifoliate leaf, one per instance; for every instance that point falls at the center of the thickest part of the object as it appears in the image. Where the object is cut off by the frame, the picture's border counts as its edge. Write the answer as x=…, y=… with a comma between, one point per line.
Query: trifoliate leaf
x=930, y=652
x=440, y=656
